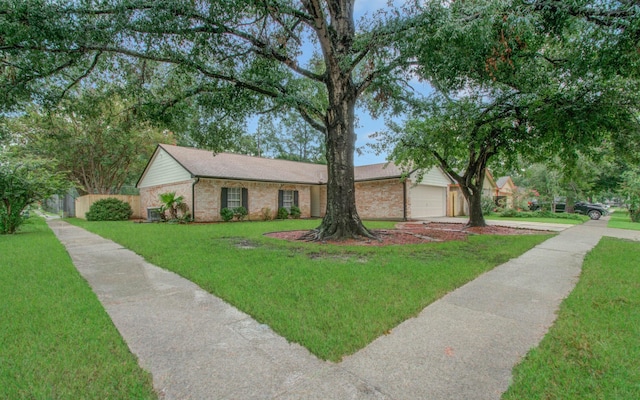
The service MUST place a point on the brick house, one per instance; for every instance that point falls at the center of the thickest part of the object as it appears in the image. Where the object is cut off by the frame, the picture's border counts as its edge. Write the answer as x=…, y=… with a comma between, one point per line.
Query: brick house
x=210, y=182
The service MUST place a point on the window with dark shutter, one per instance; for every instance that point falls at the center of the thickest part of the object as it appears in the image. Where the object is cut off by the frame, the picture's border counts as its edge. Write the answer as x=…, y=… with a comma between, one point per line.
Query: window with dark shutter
x=234, y=197
x=287, y=198
x=245, y=198
x=223, y=198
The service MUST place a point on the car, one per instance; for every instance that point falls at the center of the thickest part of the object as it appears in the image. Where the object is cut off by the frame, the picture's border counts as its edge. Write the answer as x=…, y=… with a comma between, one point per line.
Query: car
x=594, y=211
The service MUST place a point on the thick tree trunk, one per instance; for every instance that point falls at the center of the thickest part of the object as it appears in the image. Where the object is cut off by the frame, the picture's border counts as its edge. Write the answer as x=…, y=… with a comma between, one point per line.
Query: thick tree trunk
x=471, y=186
x=476, y=218
x=341, y=220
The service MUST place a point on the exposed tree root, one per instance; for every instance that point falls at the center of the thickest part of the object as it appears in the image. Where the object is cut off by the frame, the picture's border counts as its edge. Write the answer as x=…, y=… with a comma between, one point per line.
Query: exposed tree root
x=336, y=233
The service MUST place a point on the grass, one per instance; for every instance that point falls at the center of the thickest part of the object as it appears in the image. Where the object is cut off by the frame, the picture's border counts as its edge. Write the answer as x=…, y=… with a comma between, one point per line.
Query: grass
x=574, y=219
x=334, y=300
x=592, y=351
x=56, y=341
x=621, y=220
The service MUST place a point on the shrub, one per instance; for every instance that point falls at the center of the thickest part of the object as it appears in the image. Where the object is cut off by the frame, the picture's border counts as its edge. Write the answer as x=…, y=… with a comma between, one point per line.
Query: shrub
x=226, y=214
x=635, y=215
x=487, y=204
x=175, y=205
x=267, y=215
x=283, y=213
x=295, y=212
x=109, y=209
x=510, y=212
x=240, y=213
x=9, y=222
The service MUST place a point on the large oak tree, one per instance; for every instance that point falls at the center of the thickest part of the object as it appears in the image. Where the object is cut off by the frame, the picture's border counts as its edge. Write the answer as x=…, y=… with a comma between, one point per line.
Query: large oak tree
x=244, y=56
x=507, y=85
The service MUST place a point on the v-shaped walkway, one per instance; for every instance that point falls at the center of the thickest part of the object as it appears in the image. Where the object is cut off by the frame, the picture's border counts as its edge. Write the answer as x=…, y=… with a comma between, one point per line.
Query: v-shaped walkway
x=461, y=347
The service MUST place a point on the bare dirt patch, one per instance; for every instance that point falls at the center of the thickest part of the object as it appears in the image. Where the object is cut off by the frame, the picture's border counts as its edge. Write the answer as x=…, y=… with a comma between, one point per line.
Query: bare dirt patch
x=415, y=232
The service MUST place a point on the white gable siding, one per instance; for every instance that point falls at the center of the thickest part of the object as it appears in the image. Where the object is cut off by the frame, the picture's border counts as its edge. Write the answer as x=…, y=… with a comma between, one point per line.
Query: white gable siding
x=163, y=169
x=488, y=189
x=433, y=177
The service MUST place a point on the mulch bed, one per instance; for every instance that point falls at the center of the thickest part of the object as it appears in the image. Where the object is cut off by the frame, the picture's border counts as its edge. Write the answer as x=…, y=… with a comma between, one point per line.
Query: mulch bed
x=416, y=232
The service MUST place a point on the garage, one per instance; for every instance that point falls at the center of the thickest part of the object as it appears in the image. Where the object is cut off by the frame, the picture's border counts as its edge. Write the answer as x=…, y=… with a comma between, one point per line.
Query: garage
x=428, y=201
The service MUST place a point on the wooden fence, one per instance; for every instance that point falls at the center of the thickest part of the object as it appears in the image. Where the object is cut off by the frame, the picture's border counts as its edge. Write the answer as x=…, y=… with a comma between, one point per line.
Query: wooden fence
x=83, y=203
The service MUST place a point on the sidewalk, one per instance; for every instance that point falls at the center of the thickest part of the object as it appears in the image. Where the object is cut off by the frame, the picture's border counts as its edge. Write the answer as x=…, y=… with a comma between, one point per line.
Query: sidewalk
x=460, y=347
x=524, y=224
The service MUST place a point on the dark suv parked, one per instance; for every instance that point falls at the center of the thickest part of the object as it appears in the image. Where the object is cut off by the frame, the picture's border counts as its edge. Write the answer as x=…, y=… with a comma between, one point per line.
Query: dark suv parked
x=594, y=211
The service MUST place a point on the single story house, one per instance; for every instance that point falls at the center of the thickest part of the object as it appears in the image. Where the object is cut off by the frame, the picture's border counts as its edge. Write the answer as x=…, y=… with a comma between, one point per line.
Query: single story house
x=458, y=206
x=210, y=182
x=505, y=191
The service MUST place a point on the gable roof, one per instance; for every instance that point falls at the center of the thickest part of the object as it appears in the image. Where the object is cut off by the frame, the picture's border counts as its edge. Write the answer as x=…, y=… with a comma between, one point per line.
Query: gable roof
x=377, y=171
x=206, y=164
x=503, y=181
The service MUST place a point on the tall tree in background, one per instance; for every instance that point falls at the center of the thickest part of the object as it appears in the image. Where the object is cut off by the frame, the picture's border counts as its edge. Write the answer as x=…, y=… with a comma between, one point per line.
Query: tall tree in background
x=503, y=88
x=290, y=138
x=95, y=138
x=243, y=56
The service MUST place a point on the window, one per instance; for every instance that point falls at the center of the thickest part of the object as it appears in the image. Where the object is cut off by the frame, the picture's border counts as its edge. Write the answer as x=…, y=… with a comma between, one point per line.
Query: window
x=234, y=197
x=287, y=198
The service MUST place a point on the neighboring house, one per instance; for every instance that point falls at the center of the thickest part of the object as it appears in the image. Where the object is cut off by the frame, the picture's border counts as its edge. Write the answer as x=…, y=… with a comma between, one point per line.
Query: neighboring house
x=506, y=191
x=458, y=205
x=211, y=182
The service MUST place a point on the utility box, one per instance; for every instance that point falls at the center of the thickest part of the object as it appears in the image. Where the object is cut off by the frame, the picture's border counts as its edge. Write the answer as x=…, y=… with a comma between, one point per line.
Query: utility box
x=154, y=214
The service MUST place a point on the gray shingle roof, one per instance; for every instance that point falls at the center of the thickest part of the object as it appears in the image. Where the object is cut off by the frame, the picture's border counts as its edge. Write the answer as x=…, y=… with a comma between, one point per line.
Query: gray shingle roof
x=206, y=164
x=377, y=171
x=501, y=181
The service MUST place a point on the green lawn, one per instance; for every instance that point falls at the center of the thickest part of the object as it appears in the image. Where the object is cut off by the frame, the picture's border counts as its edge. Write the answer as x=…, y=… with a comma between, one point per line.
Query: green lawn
x=593, y=349
x=561, y=218
x=621, y=220
x=56, y=341
x=334, y=300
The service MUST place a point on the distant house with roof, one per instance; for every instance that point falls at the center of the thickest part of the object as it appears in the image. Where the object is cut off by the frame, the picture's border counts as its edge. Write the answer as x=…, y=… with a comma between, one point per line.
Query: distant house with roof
x=505, y=191
x=210, y=182
x=457, y=203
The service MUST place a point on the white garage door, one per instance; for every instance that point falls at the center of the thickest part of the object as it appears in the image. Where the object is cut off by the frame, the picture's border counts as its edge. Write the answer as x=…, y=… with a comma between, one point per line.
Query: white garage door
x=428, y=201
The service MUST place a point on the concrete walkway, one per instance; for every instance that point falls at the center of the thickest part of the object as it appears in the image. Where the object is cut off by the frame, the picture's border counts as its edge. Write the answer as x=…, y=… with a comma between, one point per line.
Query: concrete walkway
x=460, y=347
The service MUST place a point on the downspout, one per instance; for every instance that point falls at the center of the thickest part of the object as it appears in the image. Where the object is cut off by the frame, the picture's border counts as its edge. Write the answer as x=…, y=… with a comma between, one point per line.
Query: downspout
x=193, y=198
x=404, y=200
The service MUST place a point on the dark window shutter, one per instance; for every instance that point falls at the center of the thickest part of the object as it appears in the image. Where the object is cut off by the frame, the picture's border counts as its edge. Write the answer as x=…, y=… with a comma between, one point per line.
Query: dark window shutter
x=245, y=198
x=280, y=199
x=223, y=199
x=295, y=198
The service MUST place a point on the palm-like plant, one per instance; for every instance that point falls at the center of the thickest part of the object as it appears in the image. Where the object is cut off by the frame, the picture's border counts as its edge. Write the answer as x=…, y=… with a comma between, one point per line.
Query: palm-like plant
x=173, y=204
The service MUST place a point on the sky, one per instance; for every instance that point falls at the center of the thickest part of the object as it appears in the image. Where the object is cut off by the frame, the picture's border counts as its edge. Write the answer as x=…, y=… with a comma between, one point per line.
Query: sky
x=366, y=125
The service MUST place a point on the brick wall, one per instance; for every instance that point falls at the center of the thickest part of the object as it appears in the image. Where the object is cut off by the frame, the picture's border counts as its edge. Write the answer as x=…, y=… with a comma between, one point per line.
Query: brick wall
x=262, y=195
x=380, y=199
x=374, y=199
x=150, y=196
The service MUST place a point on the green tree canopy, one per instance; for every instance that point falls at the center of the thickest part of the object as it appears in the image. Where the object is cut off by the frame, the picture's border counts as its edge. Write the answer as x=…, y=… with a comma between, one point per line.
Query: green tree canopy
x=238, y=56
x=24, y=181
x=505, y=88
x=95, y=137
